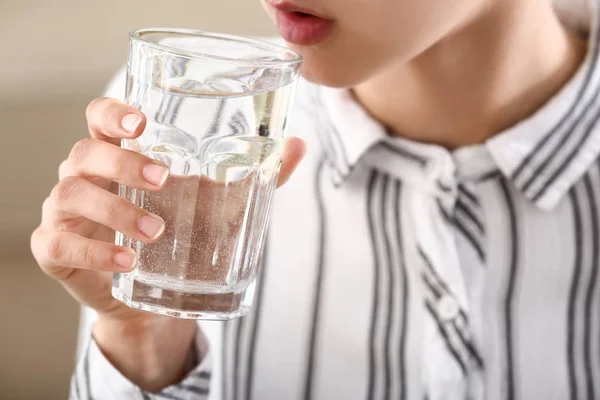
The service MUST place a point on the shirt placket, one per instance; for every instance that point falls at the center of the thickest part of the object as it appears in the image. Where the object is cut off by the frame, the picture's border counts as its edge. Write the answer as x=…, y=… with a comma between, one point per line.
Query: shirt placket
x=448, y=222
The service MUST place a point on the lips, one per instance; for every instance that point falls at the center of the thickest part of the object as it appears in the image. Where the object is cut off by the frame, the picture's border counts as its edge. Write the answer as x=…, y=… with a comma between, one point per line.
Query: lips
x=298, y=25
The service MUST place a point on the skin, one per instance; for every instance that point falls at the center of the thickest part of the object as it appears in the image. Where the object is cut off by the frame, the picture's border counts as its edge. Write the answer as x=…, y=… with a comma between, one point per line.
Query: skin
x=74, y=242
x=452, y=73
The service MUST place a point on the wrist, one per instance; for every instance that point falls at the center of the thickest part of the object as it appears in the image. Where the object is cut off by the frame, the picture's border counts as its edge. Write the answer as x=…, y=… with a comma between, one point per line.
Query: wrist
x=152, y=352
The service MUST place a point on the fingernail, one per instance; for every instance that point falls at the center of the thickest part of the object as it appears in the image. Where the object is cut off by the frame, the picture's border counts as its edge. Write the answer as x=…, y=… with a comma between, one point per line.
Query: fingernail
x=155, y=174
x=152, y=227
x=130, y=122
x=126, y=260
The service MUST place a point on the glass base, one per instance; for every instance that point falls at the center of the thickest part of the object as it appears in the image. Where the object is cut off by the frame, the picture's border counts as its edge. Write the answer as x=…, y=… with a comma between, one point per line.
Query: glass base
x=215, y=306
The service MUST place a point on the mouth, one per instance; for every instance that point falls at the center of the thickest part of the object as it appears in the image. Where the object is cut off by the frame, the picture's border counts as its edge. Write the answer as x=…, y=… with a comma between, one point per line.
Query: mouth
x=299, y=25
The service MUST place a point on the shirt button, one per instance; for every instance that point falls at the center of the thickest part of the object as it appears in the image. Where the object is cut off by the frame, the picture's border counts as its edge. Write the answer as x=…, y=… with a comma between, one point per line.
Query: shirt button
x=448, y=308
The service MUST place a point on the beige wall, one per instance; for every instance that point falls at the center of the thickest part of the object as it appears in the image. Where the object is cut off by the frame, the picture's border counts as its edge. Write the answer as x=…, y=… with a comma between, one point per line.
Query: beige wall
x=56, y=56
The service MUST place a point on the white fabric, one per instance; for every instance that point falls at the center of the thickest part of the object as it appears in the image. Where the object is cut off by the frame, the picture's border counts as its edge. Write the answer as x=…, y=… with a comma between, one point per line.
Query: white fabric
x=372, y=230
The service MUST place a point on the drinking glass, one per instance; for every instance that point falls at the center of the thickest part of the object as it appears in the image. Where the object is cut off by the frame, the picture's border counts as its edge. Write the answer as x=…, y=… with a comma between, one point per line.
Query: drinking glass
x=216, y=108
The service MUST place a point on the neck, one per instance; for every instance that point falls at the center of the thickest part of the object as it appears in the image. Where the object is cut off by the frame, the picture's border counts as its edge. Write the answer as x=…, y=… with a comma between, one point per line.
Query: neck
x=479, y=80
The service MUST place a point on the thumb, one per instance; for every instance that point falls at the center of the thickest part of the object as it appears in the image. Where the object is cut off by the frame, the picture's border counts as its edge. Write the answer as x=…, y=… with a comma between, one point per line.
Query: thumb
x=294, y=150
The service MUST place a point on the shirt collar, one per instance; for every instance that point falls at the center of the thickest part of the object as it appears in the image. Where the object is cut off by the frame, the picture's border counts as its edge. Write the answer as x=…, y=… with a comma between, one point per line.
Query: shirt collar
x=349, y=132
x=544, y=155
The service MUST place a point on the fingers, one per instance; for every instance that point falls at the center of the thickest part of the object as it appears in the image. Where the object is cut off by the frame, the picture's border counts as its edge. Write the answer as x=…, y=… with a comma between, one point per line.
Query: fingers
x=110, y=120
x=95, y=158
x=64, y=170
x=78, y=196
x=293, y=152
x=68, y=250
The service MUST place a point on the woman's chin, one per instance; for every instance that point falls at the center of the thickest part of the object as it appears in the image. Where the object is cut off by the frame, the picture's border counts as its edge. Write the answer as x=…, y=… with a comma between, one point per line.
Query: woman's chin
x=328, y=74
x=339, y=64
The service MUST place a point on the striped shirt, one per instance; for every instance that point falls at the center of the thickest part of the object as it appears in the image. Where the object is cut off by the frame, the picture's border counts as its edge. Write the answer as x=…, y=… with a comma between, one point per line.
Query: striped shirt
x=401, y=270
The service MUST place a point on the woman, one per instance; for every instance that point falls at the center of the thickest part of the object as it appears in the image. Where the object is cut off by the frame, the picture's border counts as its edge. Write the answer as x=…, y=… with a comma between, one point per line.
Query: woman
x=447, y=244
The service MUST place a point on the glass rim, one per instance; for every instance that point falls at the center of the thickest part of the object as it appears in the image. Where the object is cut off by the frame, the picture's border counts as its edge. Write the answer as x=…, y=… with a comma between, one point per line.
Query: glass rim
x=265, y=45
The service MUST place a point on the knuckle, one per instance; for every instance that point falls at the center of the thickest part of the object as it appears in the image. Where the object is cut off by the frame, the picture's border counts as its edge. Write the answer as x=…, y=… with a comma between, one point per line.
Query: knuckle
x=64, y=190
x=125, y=162
x=115, y=209
x=111, y=208
x=55, y=247
x=91, y=107
x=109, y=115
x=46, y=206
x=88, y=254
x=34, y=243
x=63, y=168
x=80, y=151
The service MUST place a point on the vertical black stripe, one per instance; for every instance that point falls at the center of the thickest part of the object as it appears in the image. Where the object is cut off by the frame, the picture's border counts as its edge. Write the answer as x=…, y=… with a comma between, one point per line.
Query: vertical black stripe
x=390, y=289
x=225, y=360
x=175, y=103
x=589, y=368
x=508, y=301
x=598, y=164
x=374, y=314
x=238, y=125
x=163, y=116
x=86, y=373
x=404, y=294
x=571, y=316
x=214, y=127
x=255, y=327
x=242, y=121
x=236, y=381
x=235, y=128
x=316, y=308
x=159, y=115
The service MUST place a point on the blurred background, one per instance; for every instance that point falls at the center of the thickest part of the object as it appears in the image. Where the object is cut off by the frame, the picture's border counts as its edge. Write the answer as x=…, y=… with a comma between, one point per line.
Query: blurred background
x=56, y=56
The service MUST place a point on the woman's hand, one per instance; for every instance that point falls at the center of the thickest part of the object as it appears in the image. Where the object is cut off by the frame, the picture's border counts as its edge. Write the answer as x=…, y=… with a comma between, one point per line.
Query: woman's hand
x=74, y=244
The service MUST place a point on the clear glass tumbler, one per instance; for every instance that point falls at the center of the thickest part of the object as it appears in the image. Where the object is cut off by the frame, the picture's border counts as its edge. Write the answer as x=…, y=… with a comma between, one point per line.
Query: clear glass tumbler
x=216, y=107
